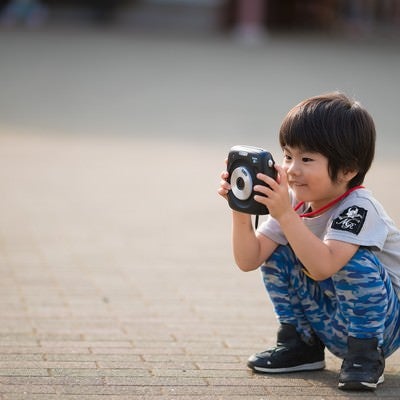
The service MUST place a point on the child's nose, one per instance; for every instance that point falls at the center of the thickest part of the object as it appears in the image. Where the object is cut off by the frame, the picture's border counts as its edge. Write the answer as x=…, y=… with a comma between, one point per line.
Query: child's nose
x=293, y=169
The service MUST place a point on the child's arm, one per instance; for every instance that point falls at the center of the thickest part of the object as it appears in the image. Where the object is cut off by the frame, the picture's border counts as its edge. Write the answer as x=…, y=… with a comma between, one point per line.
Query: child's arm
x=250, y=249
x=321, y=258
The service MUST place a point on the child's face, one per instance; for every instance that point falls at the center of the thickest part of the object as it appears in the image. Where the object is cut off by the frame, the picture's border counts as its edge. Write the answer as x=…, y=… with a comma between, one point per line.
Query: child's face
x=309, y=178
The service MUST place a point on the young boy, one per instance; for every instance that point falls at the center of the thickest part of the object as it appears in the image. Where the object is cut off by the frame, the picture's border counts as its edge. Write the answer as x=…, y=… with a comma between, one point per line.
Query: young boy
x=330, y=255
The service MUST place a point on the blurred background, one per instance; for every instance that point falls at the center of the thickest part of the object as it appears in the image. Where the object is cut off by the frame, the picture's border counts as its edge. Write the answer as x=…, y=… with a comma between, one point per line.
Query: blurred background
x=115, y=120
x=194, y=77
x=118, y=115
x=198, y=69
x=251, y=16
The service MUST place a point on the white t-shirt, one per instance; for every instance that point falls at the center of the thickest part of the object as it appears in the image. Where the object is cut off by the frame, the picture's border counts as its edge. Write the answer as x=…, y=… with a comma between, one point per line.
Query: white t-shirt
x=358, y=219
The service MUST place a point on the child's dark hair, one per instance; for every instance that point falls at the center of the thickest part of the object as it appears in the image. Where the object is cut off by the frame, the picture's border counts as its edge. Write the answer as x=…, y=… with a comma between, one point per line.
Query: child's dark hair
x=338, y=128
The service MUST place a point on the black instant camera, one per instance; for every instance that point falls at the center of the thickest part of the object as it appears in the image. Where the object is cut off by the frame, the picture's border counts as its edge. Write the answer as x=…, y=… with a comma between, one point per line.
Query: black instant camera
x=244, y=163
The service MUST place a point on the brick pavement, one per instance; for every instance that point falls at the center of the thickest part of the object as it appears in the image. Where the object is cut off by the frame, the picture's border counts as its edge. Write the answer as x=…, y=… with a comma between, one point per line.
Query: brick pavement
x=117, y=280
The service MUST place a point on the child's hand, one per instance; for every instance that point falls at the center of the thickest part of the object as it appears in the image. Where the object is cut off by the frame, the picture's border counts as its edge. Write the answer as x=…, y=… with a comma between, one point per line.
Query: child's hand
x=276, y=196
x=225, y=186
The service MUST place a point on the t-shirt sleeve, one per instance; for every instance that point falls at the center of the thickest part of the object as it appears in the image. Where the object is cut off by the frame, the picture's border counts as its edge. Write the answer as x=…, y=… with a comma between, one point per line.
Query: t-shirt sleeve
x=358, y=222
x=271, y=229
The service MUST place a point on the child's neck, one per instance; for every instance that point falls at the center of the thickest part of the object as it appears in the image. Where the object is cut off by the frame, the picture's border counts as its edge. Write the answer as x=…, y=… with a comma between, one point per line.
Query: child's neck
x=321, y=210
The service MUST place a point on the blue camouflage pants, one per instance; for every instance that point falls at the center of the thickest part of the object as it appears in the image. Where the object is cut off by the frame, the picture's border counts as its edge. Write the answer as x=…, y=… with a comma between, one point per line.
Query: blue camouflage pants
x=358, y=301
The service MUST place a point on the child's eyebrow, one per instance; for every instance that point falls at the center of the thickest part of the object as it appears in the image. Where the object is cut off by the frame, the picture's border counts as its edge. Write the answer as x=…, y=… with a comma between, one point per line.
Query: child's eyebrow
x=289, y=149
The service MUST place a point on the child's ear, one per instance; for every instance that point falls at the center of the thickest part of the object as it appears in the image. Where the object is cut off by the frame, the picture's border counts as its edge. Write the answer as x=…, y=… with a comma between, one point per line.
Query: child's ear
x=347, y=176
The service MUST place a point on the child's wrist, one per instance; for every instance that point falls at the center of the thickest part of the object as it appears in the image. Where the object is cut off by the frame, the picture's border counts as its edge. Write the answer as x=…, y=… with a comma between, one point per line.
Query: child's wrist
x=287, y=218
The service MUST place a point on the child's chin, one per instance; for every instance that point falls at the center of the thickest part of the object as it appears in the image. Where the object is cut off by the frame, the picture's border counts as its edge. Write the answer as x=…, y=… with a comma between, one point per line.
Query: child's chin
x=299, y=194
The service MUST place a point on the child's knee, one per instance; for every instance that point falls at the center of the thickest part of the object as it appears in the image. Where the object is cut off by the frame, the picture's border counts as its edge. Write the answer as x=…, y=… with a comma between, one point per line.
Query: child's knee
x=363, y=267
x=283, y=255
x=361, y=281
x=280, y=261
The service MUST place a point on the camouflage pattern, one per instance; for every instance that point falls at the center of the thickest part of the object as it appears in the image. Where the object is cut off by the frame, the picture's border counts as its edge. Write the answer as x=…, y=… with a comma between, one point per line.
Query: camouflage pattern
x=357, y=301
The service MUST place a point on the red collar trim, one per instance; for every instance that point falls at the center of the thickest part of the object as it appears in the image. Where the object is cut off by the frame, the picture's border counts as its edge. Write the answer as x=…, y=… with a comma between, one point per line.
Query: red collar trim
x=327, y=206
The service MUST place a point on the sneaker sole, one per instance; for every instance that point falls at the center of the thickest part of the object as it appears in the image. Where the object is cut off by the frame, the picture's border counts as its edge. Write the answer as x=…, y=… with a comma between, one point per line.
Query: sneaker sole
x=354, y=385
x=303, y=367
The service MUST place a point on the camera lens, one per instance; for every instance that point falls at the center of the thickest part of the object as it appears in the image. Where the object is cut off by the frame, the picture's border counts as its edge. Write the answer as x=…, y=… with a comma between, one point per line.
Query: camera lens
x=240, y=183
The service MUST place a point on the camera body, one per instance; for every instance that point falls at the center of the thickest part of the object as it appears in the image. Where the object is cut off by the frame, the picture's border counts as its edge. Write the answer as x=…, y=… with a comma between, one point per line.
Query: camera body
x=244, y=163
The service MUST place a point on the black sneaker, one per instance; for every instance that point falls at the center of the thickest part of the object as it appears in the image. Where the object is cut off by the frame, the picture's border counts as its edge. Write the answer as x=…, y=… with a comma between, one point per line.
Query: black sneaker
x=363, y=366
x=291, y=354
